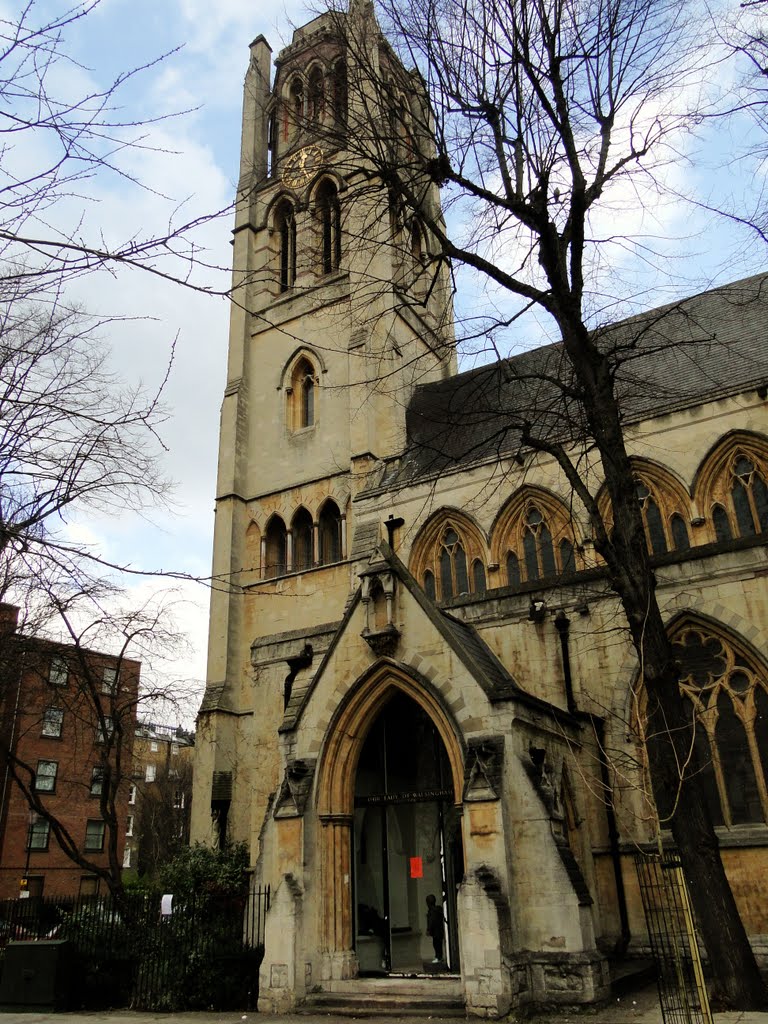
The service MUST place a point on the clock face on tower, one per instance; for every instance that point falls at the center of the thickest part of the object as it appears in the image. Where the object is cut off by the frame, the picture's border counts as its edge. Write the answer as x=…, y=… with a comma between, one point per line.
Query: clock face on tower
x=300, y=166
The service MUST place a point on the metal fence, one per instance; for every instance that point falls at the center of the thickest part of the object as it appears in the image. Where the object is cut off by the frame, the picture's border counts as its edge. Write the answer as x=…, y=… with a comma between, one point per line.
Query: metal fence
x=672, y=934
x=204, y=953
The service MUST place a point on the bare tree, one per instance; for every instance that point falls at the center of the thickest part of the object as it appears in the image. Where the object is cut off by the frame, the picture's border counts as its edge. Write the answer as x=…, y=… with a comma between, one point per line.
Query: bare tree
x=59, y=137
x=745, y=39
x=544, y=124
x=74, y=438
x=163, y=814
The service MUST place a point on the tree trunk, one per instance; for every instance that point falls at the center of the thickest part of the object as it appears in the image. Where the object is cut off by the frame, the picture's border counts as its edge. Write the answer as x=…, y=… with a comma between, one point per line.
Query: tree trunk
x=681, y=804
x=669, y=722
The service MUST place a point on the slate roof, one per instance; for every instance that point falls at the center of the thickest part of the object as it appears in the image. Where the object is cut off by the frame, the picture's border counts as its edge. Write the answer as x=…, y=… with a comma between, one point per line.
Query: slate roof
x=708, y=346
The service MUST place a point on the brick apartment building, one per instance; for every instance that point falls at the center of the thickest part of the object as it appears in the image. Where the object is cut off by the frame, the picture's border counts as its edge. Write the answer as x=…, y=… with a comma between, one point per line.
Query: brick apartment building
x=67, y=719
x=160, y=795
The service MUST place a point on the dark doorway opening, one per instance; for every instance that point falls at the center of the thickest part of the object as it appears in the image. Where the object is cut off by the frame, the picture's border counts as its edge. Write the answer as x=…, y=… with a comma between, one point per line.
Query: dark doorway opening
x=407, y=846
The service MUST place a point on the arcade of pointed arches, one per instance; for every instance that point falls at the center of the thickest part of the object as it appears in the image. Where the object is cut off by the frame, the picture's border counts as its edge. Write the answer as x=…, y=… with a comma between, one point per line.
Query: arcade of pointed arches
x=299, y=542
x=537, y=536
x=311, y=99
x=298, y=244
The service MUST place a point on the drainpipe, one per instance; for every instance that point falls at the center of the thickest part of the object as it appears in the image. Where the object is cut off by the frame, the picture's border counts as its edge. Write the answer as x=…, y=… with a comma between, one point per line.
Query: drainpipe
x=563, y=625
x=598, y=725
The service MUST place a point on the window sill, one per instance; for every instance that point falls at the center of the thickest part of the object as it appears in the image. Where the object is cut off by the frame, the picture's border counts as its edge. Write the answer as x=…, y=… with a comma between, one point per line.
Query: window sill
x=296, y=572
x=303, y=431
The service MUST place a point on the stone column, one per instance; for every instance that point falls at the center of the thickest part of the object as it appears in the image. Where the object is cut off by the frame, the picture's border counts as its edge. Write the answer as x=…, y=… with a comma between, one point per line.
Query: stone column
x=339, y=960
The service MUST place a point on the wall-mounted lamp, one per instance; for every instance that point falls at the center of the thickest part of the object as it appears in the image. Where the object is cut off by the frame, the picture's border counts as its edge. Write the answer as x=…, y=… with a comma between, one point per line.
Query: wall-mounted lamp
x=537, y=609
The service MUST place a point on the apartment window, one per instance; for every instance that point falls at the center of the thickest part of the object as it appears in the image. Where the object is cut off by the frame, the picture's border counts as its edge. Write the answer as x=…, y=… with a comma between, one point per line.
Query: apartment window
x=53, y=719
x=58, y=673
x=150, y=773
x=153, y=746
x=104, y=732
x=178, y=800
x=127, y=857
x=38, y=835
x=174, y=749
x=97, y=780
x=109, y=681
x=129, y=825
x=132, y=794
x=89, y=886
x=94, y=834
x=45, y=778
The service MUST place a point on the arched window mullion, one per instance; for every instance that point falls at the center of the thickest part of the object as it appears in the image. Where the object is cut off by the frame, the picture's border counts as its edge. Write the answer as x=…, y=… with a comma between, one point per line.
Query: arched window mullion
x=285, y=223
x=729, y=700
x=757, y=767
x=759, y=497
x=742, y=507
x=722, y=790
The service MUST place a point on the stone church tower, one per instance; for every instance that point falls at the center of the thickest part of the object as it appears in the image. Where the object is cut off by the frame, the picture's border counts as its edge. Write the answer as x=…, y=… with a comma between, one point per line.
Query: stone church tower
x=416, y=685
x=322, y=362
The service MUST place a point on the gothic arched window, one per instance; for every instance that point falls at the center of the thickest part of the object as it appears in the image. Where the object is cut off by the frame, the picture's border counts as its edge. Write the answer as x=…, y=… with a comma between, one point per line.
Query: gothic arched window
x=329, y=222
x=449, y=557
x=744, y=510
x=478, y=577
x=662, y=533
x=276, y=548
x=285, y=228
x=533, y=553
x=271, y=144
x=732, y=485
x=452, y=562
x=664, y=508
x=339, y=78
x=316, y=93
x=329, y=531
x=296, y=104
x=302, y=396
x=728, y=691
x=307, y=402
x=302, y=531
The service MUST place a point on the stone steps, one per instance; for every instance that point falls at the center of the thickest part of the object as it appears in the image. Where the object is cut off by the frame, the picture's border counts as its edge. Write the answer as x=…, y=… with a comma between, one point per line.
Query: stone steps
x=403, y=997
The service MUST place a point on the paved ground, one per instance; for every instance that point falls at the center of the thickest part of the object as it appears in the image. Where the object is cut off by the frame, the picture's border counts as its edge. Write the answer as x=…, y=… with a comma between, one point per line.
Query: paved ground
x=639, y=1008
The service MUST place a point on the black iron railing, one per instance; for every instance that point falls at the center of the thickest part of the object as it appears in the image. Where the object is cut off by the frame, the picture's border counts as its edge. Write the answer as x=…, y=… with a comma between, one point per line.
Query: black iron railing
x=204, y=953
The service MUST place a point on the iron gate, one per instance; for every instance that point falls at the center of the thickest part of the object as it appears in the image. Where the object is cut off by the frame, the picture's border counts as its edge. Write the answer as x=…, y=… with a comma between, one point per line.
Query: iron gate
x=672, y=935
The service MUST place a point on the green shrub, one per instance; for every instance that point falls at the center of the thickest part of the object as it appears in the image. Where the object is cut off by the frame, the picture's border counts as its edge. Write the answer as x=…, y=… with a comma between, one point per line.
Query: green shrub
x=200, y=869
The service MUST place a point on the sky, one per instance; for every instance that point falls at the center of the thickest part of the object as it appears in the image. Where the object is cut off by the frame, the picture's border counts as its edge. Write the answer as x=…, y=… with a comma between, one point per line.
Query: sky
x=186, y=166
x=183, y=167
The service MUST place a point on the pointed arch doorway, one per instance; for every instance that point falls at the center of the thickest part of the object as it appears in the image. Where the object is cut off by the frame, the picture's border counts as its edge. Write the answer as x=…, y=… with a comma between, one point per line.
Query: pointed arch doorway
x=406, y=845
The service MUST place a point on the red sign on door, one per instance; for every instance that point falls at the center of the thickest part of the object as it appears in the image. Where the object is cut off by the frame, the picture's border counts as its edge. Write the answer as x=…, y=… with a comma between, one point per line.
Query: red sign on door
x=417, y=869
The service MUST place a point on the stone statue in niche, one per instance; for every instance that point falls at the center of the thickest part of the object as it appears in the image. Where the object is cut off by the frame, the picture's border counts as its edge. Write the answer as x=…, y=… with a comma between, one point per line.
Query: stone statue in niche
x=377, y=594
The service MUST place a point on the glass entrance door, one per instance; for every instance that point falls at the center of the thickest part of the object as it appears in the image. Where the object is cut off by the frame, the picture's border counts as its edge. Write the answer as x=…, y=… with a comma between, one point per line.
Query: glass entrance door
x=407, y=847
